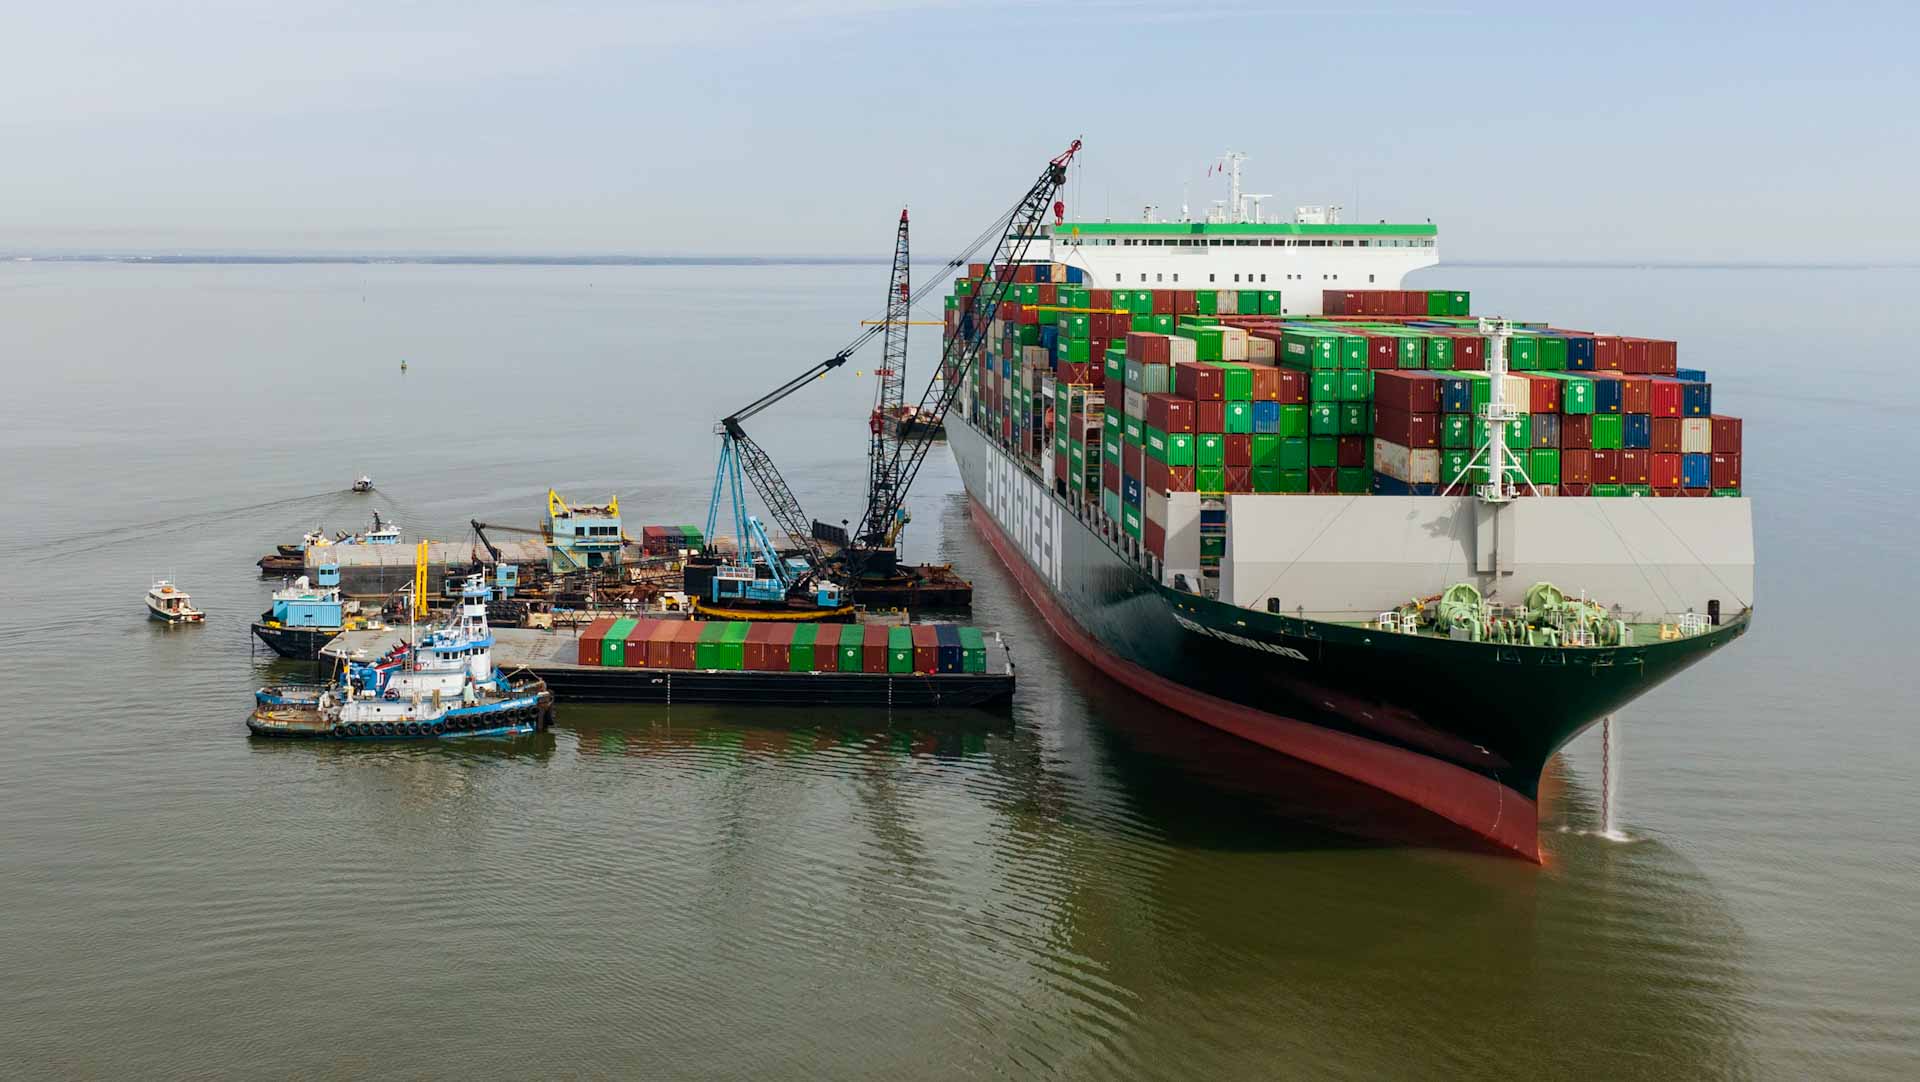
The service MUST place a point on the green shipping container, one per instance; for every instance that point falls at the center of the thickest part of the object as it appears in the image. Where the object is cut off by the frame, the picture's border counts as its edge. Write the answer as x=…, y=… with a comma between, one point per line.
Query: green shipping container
x=1353, y=351
x=1412, y=352
x=1520, y=432
x=1576, y=394
x=1143, y=302
x=1266, y=479
x=1293, y=453
x=1460, y=303
x=1543, y=466
x=706, y=651
x=1356, y=386
x=1270, y=304
x=849, y=650
x=1325, y=419
x=1324, y=386
x=1180, y=449
x=1209, y=449
x=1636, y=490
x=1134, y=431
x=1553, y=353
x=1077, y=350
x=1608, y=490
x=1439, y=353
x=1249, y=302
x=1236, y=383
x=1323, y=452
x=1356, y=418
x=1523, y=353
x=973, y=650
x=1609, y=432
x=1154, y=442
x=900, y=650
x=1456, y=430
x=1130, y=520
x=1213, y=544
x=1206, y=301
x=800, y=651
x=1163, y=325
x=1726, y=492
x=1453, y=464
x=733, y=646
x=1210, y=479
x=1438, y=302
x=1140, y=323
x=1353, y=479
x=1293, y=481
x=1265, y=450
x=1239, y=418
x=1110, y=503
x=613, y=648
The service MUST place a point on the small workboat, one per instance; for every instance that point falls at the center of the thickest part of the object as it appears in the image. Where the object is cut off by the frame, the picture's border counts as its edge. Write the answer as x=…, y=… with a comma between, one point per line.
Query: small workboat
x=443, y=686
x=364, y=484
x=169, y=604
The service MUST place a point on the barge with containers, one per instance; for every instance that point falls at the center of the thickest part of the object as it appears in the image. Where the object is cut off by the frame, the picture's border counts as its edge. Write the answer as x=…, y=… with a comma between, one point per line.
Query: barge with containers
x=654, y=660
x=1245, y=474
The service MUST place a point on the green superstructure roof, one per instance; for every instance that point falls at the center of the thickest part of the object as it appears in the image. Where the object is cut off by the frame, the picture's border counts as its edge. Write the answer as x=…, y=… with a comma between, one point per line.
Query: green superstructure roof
x=1215, y=229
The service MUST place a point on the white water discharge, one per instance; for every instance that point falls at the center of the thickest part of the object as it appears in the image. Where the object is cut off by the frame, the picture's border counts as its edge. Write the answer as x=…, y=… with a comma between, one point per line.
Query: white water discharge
x=1610, y=782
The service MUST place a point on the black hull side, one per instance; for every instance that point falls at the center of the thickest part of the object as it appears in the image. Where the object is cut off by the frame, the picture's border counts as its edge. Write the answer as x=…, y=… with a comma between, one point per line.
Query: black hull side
x=298, y=643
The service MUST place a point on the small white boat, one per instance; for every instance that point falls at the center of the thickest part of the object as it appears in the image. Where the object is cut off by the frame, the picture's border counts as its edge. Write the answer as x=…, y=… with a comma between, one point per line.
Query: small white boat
x=169, y=604
x=364, y=484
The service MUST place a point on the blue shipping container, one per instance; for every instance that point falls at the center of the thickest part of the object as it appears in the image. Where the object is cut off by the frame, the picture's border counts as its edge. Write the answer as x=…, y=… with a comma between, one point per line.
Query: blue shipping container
x=1580, y=354
x=1393, y=486
x=1074, y=276
x=1607, y=396
x=1690, y=375
x=1266, y=416
x=1042, y=272
x=1456, y=394
x=1696, y=399
x=1696, y=471
x=1545, y=430
x=1637, y=432
x=1130, y=490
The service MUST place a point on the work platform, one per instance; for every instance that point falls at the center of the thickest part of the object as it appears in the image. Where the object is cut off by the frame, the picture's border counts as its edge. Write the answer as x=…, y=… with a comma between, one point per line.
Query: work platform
x=553, y=656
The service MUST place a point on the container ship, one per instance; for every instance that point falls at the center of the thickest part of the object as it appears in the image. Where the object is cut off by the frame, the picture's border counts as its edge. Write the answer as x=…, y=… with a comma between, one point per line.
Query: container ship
x=1245, y=473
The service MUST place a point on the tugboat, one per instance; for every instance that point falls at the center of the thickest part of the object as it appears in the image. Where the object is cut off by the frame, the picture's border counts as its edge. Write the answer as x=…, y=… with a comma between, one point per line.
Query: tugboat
x=444, y=686
x=305, y=617
x=364, y=484
x=169, y=604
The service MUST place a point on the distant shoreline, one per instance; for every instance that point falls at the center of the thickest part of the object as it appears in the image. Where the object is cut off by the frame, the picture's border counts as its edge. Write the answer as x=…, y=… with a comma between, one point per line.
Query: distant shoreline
x=454, y=260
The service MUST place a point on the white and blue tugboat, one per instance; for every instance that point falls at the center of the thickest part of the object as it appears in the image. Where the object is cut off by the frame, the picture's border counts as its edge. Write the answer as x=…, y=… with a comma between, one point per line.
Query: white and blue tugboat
x=444, y=686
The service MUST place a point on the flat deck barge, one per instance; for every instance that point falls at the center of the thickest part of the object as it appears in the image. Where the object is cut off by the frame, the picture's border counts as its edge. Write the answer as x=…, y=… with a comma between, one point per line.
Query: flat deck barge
x=553, y=656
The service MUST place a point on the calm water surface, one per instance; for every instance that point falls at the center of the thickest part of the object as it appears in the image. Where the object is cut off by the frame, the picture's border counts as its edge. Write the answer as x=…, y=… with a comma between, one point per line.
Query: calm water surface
x=1089, y=888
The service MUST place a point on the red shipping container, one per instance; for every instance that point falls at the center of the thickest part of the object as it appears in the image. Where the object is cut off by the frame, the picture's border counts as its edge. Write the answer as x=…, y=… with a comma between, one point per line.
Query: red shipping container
x=1666, y=435
x=1110, y=476
x=1576, y=430
x=1606, y=467
x=1665, y=470
x=1130, y=457
x=1664, y=356
x=1060, y=463
x=1576, y=467
x=1407, y=429
x=926, y=648
x=1375, y=302
x=1543, y=394
x=635, y=652
x=1161, y=477
x=1184, y=303
x=1413, y=302
x=826, y=646
x=590, y=640
x=1049, y=293
x=976, y=271
x=1663, y=397
x=873, y=648
x=1239, y=479
x=1168, y=413
x=1636, y=467
x=1333, y=302
x=1026, y=313
x=1408, y=392
x=1071, y=372
x=1199, y=382
x=682, y=652
x=1575, y=488
x=1635, y=357
x=1724, y=470
x=1023, y=272
x=1469, y=352
x=1239, y=450
x=1293, y=386
x=766, y=650
x=1636, y=394
x=1726, y=434
x=1323, y=480
x=1668, y=490
x=1154, y=537
x=1163, y=302
x=1210, y=417
x=1606, y=354
x=1383, y=351
x=1266, y=383
x=1100, y=298
x=1148, y=348
x=1351, y=451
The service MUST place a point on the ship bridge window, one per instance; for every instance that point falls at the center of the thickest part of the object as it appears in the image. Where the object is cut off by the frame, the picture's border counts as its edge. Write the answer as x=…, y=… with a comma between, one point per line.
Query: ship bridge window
x=1209, y=277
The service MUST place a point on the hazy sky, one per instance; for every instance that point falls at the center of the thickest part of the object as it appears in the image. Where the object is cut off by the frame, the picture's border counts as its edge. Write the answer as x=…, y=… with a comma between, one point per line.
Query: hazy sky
x=1615, y=131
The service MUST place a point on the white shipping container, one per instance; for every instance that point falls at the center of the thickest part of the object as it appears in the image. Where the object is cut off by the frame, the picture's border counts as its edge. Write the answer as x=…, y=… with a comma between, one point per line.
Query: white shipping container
x=1227, y=303
x=1136, y=404
x=1413, y=465
x=1184, y=350
x=1696, y=436
x=1260, y=350
x=1034, y=358
x=1519, y=392
x=1233, y=344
